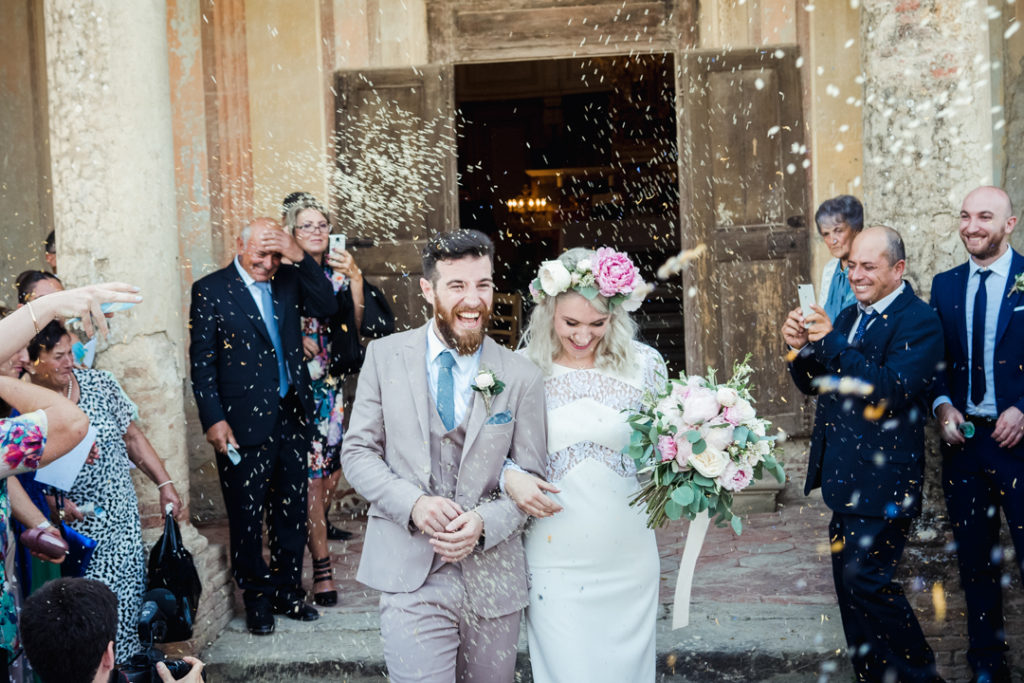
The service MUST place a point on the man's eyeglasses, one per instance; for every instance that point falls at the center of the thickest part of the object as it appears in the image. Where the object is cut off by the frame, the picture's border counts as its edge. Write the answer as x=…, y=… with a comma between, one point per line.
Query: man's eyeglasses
x=309, y=228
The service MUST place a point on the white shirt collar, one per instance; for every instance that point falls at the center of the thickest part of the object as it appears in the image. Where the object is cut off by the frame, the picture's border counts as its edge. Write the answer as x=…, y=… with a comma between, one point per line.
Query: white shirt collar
x=436, y=347
x=883, y=303
x=1000, y=267
x=246, y=278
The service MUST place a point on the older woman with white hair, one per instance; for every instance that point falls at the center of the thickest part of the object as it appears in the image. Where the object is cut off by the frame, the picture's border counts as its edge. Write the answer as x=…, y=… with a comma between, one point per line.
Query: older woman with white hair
x=593, y=563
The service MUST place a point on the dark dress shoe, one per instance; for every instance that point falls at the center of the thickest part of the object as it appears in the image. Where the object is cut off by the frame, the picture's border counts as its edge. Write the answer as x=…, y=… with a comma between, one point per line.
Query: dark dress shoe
x=259, y=619
x=336, y=534
x=299, y=611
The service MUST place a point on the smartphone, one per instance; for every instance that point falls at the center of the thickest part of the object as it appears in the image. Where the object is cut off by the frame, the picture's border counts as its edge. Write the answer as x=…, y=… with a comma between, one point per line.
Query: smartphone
x=233, y=455
x=337, y=242
x=807, y=299
x=108, y=307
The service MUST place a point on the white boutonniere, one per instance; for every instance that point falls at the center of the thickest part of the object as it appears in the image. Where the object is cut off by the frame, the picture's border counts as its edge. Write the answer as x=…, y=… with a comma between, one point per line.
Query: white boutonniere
x=1018, y=285
x=489, y=386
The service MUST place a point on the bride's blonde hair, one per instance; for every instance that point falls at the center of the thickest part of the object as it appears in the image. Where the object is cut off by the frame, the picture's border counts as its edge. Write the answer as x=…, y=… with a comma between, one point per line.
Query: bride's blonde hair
x=615, y=350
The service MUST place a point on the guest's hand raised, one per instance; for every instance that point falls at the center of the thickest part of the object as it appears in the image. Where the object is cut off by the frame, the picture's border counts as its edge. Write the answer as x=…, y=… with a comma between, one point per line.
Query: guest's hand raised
x=84, y=303
x=341, y=261
x=527, y=492
x=793, y=330
x=279, y=241
x=460, y=536
x=818, y=323
x=431, y=514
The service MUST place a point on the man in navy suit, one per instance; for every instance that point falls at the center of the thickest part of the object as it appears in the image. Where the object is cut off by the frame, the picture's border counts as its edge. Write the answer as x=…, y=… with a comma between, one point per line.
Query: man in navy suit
x=867, y=448
x=253, y=392
x=981, y=306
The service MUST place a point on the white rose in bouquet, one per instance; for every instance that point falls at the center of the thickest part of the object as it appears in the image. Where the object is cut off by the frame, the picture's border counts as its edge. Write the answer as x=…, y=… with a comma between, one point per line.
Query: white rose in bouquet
x=700, y=405
x=736, y=477
x=727, y=396
x=741, y=412
x=711, y=463
x=554, y=278
x=717, y=434
x=757, y=426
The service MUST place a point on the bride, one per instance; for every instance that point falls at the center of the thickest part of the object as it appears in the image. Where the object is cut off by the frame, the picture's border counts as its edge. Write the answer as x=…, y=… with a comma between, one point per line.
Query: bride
x=593, y=563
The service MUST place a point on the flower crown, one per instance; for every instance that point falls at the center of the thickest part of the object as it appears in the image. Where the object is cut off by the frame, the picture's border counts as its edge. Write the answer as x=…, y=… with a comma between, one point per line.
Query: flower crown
x=609, y=273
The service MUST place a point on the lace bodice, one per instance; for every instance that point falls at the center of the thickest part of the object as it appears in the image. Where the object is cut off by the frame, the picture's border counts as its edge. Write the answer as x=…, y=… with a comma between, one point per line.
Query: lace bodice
x=586, y=417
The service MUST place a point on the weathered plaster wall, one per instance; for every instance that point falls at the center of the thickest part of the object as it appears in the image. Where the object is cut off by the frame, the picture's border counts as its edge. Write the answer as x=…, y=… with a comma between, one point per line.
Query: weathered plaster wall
x=24, y=214
x=379, y=33
x=738, y=23
x=113, y=190
x=287, y=90
x=833, y=102
x=927, y=122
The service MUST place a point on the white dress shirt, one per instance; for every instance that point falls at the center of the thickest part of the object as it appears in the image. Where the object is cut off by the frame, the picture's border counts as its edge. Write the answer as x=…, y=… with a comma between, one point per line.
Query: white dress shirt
x=877, y=307
x=995, y=285
x=250, y=285
x=463, y=372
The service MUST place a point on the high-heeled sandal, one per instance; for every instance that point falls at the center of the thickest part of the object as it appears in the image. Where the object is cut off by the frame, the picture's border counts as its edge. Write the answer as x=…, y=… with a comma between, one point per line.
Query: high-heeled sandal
x=322, y=572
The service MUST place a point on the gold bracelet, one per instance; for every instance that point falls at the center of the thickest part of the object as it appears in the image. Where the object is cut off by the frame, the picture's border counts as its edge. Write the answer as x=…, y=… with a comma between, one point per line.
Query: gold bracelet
x=35, y=323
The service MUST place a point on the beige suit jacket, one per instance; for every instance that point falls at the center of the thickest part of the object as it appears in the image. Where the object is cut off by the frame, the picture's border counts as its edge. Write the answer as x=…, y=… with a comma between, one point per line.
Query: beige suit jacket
x=386, y=457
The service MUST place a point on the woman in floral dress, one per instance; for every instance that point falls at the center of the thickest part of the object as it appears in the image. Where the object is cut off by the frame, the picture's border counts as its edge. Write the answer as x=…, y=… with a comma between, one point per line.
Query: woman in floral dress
x=332, y=350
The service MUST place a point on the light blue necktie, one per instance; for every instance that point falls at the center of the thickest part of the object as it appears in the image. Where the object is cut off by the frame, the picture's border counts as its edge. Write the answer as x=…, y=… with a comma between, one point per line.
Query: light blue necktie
x=446, y=390
x=275, y=336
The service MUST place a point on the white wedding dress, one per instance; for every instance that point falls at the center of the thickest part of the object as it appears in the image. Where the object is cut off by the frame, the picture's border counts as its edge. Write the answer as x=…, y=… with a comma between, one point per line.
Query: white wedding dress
x=594, y=568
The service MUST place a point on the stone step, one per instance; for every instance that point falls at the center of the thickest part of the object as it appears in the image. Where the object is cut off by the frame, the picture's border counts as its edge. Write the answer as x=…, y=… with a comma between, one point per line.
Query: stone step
x=738, y=642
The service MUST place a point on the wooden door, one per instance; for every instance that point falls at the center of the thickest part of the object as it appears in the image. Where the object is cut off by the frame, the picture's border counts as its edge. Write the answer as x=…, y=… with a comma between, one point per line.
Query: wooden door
x=744, y=197
x=395, y=180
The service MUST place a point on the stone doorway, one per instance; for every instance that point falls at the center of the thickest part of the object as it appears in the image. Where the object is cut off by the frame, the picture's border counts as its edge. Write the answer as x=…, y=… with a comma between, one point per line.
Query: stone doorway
x=554, y=154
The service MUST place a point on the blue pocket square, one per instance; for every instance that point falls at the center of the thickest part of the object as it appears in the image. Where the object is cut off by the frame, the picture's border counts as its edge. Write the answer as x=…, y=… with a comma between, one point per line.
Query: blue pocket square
x=504, y=417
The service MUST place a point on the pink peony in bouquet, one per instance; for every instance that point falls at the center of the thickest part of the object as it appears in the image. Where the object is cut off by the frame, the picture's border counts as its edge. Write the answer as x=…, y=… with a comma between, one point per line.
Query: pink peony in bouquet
x=701, y=442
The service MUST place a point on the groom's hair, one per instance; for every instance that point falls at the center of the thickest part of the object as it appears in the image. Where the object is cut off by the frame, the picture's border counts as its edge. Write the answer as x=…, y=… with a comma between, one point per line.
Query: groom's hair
x=451, y=246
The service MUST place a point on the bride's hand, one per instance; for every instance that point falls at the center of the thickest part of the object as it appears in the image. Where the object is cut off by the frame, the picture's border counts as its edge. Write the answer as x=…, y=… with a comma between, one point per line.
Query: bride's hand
x=527, y=491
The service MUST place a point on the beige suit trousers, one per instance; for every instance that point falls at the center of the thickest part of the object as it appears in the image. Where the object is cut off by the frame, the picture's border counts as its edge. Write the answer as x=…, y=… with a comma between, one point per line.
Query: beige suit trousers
x=431, y=636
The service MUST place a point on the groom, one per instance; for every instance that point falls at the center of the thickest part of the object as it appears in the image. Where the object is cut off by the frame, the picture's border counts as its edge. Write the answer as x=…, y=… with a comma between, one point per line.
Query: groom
x=437, y=411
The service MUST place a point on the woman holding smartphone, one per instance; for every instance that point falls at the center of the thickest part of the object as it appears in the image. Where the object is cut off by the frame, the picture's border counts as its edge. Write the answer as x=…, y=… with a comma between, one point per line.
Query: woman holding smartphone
x=332, y=350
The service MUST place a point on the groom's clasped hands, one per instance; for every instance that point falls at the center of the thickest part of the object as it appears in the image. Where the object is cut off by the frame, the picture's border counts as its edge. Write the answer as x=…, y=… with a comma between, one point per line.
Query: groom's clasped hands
x=453, y=531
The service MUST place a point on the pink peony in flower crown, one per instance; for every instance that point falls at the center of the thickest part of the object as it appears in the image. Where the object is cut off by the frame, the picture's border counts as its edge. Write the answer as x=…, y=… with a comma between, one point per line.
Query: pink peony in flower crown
x=608, y=273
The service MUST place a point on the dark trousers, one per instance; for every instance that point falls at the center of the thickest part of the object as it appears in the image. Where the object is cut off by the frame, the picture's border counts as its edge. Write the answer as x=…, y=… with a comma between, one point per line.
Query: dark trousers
x=885, y=641
x=979, y=479
x=269, y=481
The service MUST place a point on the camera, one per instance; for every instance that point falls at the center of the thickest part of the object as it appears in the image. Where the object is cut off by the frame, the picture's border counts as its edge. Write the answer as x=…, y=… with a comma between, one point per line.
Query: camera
x=142, y=667
x=158, y=607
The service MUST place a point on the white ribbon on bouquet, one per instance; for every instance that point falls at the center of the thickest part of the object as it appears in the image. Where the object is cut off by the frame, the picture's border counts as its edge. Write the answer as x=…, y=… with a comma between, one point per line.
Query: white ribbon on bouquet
x=687, y=564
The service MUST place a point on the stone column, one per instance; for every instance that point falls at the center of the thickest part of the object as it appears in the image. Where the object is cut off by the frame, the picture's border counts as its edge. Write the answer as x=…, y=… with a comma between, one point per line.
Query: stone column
x=928, y=128
x=114, y=201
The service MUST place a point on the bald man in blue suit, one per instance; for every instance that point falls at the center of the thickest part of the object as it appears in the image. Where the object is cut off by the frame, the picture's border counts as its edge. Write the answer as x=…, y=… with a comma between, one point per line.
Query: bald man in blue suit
x=981, y=306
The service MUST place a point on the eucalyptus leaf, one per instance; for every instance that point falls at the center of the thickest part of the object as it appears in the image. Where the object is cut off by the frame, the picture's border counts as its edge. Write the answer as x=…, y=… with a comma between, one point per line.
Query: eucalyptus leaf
x=693, y=436
x=683, y=495
x=590, y=293
x=673, y=510
x=699, y=447
x=701, y=480
x=737, y=525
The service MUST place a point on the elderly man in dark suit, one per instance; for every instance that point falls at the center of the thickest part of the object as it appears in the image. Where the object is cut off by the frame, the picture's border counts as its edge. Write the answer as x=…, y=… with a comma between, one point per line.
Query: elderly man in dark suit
x=253, y=392
x=867, y=449
x=981, y=306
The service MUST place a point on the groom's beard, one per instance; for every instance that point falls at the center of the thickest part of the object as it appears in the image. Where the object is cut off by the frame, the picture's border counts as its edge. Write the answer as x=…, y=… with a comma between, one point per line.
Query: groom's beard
x=465, y=342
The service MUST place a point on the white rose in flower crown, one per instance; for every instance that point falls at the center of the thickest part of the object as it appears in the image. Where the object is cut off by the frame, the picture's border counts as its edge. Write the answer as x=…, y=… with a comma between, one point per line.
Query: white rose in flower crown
x=484, y=380
x=727, y=396
x=636, y=297
x=583, y=265
x=741, y=412
x=710, y=463
x=700, y=405
x=554, y=277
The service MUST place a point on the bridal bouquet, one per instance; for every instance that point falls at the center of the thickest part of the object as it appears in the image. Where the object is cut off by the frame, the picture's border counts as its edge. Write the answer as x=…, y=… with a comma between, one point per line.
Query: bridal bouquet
x=701, y=442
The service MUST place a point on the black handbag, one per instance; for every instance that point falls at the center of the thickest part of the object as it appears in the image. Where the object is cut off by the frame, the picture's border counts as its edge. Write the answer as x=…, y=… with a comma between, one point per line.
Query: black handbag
x=171, y=567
